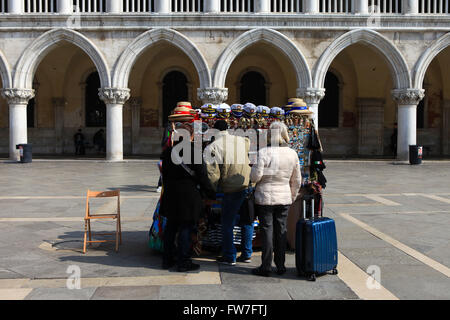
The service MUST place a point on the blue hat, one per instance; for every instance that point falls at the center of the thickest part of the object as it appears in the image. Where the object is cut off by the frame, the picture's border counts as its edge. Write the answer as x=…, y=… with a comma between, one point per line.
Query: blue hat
x=249, y=110
x=237, y=110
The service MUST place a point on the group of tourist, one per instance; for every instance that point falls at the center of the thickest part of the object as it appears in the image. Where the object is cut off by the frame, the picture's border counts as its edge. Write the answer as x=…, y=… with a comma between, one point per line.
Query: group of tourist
x=275, y=179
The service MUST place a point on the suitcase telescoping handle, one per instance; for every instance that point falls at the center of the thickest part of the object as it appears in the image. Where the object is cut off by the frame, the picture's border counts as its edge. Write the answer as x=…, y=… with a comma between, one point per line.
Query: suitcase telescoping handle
x=312, y=208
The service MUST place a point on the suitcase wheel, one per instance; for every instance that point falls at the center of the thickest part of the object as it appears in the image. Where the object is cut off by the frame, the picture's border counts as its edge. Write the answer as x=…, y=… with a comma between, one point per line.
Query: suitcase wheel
x=334, y=272
x=312, y=277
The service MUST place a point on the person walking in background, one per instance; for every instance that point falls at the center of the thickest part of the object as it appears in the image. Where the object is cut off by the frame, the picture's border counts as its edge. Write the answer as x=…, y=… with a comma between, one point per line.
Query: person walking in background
x=99, y=140
x=278, y=179
x=229, y=170
x=79, y=143
x=181, y=204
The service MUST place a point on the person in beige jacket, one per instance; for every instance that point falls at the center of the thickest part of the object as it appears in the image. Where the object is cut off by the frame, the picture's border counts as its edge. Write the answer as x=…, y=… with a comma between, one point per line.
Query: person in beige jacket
x=228, y=168
x=278, y=179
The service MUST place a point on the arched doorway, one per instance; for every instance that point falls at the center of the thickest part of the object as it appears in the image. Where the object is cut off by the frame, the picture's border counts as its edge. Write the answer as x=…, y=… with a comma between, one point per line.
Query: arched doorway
x=329, y=106
x=253, y=88
x=175, y=89
x=94, y=106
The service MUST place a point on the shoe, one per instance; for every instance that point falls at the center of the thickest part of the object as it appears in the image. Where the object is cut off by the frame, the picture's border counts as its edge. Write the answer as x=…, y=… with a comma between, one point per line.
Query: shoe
x=280, y=271
x=223, y=260
x=159, y=189
x=188, y=267
x=168, y=265
x=260, y=272
x=244, y=259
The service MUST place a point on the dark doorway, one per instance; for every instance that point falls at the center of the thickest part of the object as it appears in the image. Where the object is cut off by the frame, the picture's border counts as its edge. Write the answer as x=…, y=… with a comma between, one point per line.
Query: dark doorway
x=95, y=107
x=175, y=89
x=421, y=114
x=30, y=112
x=253, y=88
x=329, y=106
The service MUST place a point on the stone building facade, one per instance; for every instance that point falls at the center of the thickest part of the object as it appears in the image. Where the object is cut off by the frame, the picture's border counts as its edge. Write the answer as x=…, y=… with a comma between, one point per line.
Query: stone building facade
x=361, y=65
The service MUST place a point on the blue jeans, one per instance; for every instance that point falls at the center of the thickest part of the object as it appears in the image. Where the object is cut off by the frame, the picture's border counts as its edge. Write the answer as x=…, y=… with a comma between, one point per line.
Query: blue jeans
x=231, y=204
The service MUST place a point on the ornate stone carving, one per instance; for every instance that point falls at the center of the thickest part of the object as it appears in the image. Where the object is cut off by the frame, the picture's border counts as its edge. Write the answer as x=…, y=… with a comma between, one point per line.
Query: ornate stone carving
x=18, y=96
x=408, y=96
x=213, y=95
x=311, y=95
x=114, y=95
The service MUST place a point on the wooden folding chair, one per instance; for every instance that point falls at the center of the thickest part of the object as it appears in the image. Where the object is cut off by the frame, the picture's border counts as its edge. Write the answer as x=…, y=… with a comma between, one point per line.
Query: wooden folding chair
x=88, y=217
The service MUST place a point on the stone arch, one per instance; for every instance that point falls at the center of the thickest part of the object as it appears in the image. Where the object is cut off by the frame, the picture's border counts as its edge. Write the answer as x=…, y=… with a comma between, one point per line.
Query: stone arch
x=427, y=57
x=394, y=58
x=5, y=72
x=272, y=37
x=136, y=48
x=33, y=55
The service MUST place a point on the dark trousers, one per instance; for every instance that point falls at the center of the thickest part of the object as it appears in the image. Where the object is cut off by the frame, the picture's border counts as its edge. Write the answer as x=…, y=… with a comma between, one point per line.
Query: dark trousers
x=183, y=253
x=272, y=222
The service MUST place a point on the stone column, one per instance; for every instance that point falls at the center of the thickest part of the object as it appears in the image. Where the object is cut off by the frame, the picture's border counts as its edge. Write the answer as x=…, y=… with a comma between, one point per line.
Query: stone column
x=212, y=95
x=163, y=6
x=59, y=104
x=114, y=99
x=136, y=104
x=211, y=6
x=312, y=97
x=407, y=101
x=410, y=6
x=64, y=6
x=361, y=7
x=311, y=6
x=17, y=100
x=446, y=127
x=371, y=126
x=262, y=6
x=15, y=6
x=114, y=6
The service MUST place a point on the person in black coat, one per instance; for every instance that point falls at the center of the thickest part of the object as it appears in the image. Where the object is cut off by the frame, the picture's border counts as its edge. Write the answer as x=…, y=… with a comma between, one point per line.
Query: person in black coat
x=182, y=205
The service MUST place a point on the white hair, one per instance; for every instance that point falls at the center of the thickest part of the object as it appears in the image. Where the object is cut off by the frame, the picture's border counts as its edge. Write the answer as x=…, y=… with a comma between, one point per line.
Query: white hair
x=278, y=134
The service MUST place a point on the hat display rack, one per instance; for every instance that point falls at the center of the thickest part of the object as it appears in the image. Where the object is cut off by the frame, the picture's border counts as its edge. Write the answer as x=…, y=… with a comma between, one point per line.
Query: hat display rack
x=295, y=114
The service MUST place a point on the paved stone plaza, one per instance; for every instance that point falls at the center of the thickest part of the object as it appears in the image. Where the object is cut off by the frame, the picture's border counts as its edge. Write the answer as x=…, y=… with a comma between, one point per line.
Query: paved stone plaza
x=392, y=217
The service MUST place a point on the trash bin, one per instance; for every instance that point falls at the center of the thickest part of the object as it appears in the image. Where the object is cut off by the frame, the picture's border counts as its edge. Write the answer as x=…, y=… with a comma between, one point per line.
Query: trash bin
x=415, y=154
x=25, y=152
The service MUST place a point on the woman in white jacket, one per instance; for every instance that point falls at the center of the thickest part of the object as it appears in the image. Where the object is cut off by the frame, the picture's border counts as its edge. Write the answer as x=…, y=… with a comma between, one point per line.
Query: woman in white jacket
x=277, y=177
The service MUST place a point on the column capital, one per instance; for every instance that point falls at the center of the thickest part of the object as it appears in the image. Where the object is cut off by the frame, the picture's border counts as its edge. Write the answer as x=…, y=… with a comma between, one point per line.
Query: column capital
x=212, y=95
x=408, y=96
x=311, y=95
x=18, y=96
x=114, y=95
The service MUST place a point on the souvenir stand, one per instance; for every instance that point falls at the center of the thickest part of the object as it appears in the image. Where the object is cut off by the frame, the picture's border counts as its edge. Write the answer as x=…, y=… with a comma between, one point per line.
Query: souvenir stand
x=297, y=117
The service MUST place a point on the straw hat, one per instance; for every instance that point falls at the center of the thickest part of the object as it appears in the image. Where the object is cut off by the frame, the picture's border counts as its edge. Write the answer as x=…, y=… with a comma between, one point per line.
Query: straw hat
x=287, y=108
x=184, y=104
x=300, y=108
x=183, y=112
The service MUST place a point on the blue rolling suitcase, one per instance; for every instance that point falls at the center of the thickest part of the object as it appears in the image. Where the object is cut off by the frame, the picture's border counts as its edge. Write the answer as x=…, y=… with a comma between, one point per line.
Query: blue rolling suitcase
x=316, y=244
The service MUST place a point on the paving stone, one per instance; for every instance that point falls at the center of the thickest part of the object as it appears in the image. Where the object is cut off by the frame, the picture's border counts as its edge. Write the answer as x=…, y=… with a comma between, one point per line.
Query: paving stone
x=126, y=293
x=60, y=294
